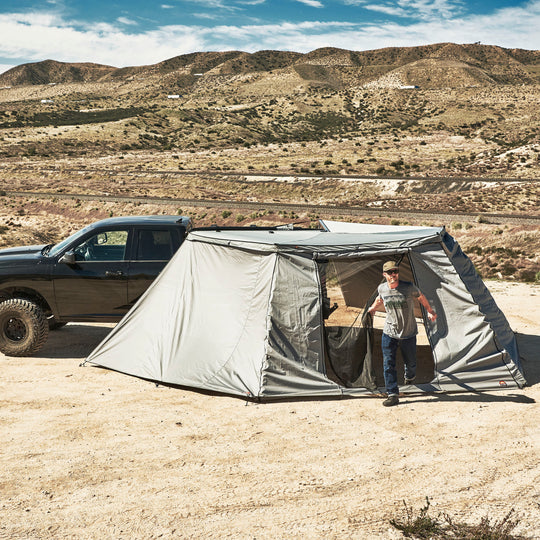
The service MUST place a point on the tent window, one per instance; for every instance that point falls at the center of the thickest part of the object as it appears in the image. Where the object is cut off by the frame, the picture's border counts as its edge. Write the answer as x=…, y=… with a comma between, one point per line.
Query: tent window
x=353, y=340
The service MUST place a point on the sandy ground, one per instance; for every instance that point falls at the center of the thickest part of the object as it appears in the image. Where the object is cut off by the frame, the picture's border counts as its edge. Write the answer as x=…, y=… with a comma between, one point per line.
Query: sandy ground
x=89, y=453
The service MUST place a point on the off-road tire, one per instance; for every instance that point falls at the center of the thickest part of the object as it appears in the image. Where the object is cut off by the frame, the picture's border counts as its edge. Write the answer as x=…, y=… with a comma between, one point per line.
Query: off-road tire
x=23, y=327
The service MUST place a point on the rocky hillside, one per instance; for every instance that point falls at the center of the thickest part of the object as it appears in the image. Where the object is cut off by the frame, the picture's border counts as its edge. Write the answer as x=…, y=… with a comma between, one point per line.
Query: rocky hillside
x=430, y=111
x=52, y=72
x=430, y=66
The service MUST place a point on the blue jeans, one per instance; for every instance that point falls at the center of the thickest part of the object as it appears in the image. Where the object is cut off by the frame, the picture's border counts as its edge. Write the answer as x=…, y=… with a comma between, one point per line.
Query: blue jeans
x=389, y=349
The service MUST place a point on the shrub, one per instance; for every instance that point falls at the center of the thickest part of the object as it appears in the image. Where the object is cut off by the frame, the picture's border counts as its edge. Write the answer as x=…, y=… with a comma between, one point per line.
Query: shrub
x=421, y=526
x=225, y=214
x=425, y=526
x=528, y=276
x=508, y=268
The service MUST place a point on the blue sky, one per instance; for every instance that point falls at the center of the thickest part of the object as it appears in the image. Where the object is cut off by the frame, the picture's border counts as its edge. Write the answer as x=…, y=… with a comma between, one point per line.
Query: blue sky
x=135, y=32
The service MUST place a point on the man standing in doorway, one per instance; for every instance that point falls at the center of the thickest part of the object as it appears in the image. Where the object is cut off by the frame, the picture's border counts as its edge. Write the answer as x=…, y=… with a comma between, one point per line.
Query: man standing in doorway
x=400, y=327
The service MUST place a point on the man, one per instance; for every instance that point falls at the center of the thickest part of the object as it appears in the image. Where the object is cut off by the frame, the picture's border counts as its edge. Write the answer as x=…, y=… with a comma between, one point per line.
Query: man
x=400, y=327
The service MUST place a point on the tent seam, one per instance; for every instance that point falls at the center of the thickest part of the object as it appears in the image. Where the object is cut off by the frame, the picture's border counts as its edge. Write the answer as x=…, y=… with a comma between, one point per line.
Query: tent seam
x=267, y=321
x=428, y=333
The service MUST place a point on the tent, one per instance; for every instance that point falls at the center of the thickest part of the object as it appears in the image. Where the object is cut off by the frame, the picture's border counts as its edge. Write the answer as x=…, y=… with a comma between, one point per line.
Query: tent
x=270, y=313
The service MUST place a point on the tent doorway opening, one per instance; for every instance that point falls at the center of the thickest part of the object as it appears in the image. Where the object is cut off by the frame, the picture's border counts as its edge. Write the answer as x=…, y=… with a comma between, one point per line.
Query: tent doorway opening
x=352, y=337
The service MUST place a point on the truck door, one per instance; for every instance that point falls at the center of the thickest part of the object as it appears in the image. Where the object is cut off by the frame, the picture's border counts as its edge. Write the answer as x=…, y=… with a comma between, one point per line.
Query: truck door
x=94, y=287
x=153, y=247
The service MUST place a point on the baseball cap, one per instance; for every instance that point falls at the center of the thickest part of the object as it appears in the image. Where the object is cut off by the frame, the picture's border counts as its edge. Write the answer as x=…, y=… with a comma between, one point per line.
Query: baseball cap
x=390, y=265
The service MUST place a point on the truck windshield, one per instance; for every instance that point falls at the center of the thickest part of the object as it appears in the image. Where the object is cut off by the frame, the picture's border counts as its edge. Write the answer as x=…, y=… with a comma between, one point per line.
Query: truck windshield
x=58, y=248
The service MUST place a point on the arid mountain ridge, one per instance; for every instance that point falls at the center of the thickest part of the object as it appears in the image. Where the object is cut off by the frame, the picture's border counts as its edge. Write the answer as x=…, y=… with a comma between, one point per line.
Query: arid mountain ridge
x=443, y=64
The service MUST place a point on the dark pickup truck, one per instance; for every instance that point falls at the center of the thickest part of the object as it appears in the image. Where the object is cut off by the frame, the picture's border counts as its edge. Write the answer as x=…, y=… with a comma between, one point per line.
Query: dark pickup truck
x=95, y=275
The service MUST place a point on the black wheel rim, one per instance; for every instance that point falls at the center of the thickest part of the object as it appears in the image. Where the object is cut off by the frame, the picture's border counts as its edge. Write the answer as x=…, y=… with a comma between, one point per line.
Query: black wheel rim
x=15, y=329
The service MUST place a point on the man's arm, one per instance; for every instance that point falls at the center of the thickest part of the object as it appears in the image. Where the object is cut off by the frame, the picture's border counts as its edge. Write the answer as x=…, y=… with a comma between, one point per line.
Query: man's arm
x=431, y=313
x=376, y=305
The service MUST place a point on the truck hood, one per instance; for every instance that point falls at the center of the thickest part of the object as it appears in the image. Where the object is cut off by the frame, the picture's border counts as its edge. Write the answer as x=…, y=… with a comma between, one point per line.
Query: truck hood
x=20, y=253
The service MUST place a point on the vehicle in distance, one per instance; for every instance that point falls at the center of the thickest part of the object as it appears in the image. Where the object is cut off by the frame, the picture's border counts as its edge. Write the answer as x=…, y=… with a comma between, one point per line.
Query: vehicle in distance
x=95, y=275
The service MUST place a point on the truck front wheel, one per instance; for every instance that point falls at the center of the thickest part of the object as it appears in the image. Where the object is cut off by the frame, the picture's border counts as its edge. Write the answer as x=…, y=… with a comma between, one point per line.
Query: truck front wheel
x=23, y=327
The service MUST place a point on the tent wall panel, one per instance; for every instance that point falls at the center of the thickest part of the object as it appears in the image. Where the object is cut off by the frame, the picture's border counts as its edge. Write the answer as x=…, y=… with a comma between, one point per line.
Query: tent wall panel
x=199, y=324
x=295, y=353
x=462, y=337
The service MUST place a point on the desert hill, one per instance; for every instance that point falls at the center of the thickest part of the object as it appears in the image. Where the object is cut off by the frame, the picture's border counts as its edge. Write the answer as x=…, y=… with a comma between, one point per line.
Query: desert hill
x=423, y=66
x=389, y=109
x=53, y=72
x=415, y=128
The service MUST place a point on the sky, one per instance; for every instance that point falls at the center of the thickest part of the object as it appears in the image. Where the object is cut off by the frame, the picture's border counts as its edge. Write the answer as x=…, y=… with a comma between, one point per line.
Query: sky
x=136, y=32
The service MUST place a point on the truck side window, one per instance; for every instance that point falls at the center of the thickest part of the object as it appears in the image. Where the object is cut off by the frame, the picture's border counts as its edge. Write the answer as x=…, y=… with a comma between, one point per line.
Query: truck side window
x=103, y=246
x=154, y=245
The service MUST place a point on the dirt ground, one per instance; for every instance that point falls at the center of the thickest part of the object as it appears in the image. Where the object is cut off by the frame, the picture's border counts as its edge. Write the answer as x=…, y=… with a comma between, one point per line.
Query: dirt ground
x=88, y=453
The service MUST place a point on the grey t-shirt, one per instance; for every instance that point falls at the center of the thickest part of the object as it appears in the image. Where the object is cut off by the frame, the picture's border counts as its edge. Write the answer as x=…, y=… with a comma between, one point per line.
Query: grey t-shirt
x=399, y=304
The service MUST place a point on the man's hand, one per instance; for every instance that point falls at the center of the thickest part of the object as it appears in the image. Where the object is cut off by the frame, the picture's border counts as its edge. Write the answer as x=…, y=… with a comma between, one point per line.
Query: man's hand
x=375, y=306
x=432, y=316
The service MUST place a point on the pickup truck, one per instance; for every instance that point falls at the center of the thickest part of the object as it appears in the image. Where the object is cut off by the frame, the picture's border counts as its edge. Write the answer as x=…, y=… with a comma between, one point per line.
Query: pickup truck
x=94, y=275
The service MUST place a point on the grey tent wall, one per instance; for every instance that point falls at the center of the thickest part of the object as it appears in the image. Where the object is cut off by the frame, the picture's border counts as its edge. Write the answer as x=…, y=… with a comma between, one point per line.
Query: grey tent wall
x=295, y=349
x=466, y=347
x=202, y=323
x=504, y=335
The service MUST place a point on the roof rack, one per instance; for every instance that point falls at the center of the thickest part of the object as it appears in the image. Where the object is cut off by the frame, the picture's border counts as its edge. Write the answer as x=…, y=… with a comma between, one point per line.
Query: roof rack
x=286, y=226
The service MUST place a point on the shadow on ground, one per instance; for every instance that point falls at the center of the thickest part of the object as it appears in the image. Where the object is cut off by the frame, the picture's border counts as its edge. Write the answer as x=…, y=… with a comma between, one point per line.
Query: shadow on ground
x=75, y=340
x=78, y=340
x=468, y=397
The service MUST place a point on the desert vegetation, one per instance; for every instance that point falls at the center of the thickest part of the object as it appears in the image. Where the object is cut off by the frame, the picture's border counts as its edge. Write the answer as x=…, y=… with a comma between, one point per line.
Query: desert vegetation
x=406, y=130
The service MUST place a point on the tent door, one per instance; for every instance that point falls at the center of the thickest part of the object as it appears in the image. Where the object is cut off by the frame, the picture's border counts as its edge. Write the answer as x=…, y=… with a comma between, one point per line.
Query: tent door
x=353, y=340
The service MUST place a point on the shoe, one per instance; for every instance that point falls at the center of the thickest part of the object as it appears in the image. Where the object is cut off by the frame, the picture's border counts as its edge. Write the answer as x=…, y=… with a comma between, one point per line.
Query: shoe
x=409, y=381
x=391, y=400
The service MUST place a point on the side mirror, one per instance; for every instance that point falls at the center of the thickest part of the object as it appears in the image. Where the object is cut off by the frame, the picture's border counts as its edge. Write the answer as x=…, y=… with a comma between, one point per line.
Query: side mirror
x=67, y=258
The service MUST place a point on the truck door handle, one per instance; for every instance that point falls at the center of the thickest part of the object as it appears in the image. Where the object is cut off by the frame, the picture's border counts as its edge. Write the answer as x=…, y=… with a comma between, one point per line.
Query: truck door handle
x=119, y=273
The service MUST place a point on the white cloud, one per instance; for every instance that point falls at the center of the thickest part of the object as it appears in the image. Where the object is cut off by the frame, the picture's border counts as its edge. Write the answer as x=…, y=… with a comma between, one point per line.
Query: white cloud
x=432, y=8
x=126, y=21
x=414, y=9
x=207, y=16
x=166, y=6
x=387, y=10
x=39, y=38
x=312, y=3
x=6, y=67
x=214, y=4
